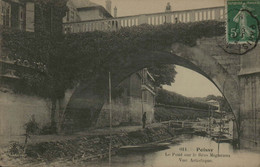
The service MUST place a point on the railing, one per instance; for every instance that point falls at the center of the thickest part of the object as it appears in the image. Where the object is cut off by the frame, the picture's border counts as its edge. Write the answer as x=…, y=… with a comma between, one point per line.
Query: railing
x=113, y=24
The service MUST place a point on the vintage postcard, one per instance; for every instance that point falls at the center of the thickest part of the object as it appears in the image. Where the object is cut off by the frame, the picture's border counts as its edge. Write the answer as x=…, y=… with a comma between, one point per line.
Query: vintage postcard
x=134, y=83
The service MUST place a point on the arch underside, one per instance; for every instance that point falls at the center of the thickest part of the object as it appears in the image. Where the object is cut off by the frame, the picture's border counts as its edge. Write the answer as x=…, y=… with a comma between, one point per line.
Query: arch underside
x=89, y=100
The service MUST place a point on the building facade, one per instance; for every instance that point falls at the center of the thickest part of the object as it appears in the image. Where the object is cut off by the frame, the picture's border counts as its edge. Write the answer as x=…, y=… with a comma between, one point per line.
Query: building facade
x=13, y=14
x=134, y=96
x=24, y=16
x=32, y=16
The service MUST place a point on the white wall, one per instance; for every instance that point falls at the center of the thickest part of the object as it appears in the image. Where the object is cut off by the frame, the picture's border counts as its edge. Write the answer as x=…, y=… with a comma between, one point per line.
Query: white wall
x=16, y=110
x=125, y=112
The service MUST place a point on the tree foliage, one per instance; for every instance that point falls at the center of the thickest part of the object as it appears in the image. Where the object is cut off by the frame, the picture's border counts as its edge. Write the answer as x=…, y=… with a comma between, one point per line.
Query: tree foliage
x=172, y=98
x=163, y=113
x=163, y=74
x=88, y=56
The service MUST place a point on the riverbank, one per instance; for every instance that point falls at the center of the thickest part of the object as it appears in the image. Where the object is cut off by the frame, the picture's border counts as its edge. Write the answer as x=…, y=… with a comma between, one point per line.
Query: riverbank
x=81, y=147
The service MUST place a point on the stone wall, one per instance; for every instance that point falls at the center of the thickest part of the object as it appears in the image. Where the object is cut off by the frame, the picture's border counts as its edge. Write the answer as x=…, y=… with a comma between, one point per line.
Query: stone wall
x=129, y=105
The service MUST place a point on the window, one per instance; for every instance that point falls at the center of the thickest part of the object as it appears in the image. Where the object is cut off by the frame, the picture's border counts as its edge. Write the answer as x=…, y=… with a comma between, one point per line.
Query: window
x=100, y=14
x=72, y=15
x=6, y=16
x=68, y=15
x=145, y=96
x=21, y=15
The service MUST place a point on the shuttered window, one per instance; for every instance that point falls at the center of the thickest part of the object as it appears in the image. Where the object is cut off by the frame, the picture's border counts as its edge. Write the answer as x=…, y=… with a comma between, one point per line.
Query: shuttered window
x=30, y=16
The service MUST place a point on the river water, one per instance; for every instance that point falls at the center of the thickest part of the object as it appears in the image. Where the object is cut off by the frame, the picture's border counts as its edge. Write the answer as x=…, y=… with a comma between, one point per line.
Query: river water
x=186, y=150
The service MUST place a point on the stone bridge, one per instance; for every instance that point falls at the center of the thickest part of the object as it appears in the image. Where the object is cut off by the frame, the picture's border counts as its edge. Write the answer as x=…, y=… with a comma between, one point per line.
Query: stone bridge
x=113, y=24
x=206, y=58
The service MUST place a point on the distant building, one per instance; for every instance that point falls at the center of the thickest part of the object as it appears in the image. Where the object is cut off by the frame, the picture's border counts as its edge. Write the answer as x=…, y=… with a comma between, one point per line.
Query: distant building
x=214, y=103
x=84, y=10
x=134, y=96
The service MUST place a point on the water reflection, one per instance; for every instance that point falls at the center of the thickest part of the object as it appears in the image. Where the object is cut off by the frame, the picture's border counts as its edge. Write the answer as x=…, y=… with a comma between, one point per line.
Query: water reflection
x=187, y=151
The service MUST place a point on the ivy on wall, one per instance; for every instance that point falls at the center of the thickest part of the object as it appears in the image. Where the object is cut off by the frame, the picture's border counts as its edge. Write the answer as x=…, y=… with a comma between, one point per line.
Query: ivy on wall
x=74, y=57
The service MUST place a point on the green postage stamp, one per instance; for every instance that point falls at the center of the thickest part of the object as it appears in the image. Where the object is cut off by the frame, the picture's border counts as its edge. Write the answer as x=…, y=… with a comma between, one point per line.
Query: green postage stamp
x=242, y=21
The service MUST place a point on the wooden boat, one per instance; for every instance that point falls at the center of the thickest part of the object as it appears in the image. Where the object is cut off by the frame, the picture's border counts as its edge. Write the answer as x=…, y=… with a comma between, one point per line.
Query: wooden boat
x=200, y=133
x=145, y=147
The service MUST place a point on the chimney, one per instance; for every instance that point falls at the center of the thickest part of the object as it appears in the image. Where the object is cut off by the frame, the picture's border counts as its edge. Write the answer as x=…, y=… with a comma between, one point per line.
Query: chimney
x=115, y=11
x=108, y=5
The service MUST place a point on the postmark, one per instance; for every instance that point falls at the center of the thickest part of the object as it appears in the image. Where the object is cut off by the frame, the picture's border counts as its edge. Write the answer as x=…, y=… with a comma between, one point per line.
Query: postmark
x=242, y=26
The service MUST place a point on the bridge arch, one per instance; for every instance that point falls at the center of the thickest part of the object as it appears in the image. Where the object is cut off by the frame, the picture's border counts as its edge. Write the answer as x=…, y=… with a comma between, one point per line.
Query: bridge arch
x=89, y=101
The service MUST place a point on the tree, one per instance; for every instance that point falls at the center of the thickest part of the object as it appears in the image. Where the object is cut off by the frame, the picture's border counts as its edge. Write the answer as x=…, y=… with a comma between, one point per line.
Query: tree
x=163, y=74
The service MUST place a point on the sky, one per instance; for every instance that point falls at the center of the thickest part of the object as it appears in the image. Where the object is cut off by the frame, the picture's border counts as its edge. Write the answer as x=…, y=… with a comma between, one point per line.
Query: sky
x=192, y=84
x=135, y=7
x=187, y=82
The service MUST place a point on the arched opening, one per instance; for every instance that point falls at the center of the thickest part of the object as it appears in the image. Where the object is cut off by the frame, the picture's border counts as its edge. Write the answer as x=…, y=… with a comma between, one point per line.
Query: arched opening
x=132, y=97
x=89, y=102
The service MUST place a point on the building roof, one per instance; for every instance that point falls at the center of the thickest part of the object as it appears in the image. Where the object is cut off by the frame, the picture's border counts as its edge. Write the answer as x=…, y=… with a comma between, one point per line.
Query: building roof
x=83, y=4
